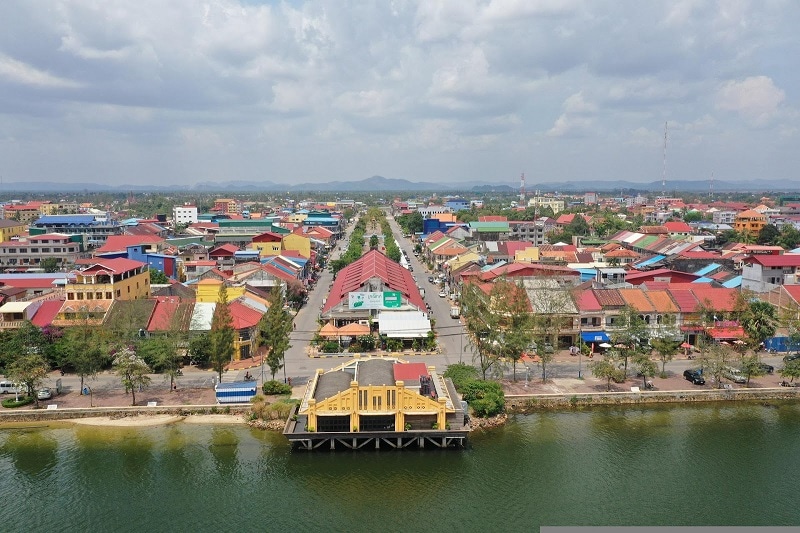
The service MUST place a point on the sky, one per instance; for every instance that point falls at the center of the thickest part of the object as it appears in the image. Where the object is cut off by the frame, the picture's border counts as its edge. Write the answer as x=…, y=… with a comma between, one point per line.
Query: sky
x=188, y=91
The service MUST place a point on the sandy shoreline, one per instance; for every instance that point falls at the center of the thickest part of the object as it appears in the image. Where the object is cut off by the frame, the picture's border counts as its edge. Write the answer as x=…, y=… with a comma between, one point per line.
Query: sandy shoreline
x=156, y=420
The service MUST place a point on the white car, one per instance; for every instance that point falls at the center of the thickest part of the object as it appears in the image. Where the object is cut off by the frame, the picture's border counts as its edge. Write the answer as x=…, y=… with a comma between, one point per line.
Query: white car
x=44, y=393
x=442, y=294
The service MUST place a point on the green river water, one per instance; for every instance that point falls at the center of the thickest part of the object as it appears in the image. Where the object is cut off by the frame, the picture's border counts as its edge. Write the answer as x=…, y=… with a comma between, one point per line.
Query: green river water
x=718, y=464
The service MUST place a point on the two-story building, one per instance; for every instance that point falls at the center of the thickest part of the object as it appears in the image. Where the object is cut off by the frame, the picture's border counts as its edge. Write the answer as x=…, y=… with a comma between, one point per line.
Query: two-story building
x=763, y=273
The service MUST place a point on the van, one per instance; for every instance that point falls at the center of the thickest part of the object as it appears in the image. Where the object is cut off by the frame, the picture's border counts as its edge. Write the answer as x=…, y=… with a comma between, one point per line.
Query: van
x=8, y=387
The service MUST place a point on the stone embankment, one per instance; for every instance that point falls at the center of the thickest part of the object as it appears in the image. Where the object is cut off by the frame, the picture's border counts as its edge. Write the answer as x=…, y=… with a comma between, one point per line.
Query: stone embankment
x=44, y=415
x=524, y=403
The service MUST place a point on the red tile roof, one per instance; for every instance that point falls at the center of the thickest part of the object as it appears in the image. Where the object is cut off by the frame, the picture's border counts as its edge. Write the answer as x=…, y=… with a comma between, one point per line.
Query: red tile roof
x=243, y=315
x=785, y=260
x=119, y=243
x=409, y=371
x=113, y=266
x=587, y=302
x=46, y=313
x=608, y=297
x=373, y=264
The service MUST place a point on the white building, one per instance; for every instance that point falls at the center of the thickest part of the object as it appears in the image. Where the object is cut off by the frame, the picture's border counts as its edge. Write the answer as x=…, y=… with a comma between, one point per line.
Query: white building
x=184, y=214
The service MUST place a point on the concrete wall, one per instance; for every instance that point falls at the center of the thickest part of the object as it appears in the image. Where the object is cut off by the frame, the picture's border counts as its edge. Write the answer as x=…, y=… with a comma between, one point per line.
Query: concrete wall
x=535, y=402
x=38, y=415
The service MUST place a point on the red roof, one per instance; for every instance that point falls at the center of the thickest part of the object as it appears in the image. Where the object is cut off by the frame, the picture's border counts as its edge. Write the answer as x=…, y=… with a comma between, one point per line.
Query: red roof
x=120, y=243
x=587, y=302
x=267, y=236
x=685, y=299
x=678, y=227
x=46, y=313
x=10, y=280
x=492, y=218
x=224, y=250
x=373, y=265
x=165, y=309
x=785, y=260
x=244, y=316
x=113, y=266
x=409, y=371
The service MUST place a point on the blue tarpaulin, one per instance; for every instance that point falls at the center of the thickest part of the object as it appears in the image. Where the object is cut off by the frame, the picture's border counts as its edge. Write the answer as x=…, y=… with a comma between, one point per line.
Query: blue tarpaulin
x=594, y=336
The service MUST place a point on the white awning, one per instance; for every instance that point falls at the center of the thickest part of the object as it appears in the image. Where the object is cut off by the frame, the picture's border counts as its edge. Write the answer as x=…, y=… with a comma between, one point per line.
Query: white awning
x=403, y=324
x=14, y=307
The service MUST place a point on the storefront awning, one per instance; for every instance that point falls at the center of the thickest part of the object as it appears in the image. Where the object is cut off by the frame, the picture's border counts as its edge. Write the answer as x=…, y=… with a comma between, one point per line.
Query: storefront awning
x=403, y=324
x=726, y=333
x=594, y=336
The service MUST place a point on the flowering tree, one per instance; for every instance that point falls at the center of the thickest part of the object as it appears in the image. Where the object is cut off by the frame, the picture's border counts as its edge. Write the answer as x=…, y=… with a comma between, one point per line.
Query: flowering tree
x=132, y=370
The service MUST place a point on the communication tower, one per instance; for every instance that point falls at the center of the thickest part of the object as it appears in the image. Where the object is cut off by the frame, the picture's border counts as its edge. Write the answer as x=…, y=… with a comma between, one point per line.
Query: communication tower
x=522, y=190
x=664, y=171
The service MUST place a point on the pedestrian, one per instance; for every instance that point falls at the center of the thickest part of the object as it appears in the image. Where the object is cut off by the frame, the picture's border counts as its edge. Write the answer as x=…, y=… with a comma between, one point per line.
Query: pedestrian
x=289, y=380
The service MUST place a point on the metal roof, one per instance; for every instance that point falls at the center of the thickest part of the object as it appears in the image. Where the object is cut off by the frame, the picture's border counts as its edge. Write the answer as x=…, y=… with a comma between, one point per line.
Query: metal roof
x=331, y=384
x=375, y=372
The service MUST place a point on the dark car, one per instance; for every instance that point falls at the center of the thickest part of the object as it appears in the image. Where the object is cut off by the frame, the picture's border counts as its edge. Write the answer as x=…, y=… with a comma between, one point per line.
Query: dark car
x=765, y=368
x=695, y=376
x=792, y=357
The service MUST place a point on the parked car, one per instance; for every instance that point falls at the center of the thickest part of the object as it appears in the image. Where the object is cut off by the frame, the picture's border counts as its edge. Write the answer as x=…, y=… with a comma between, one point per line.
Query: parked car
x=430, y=279
x=734, y=374
x=767, y=369
x=442, y=294
x=695, y=375
x=44, y=393
x=792, y=357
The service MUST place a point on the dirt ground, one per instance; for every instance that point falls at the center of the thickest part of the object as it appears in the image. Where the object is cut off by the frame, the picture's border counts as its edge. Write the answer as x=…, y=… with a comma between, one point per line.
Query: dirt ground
x=114, y=398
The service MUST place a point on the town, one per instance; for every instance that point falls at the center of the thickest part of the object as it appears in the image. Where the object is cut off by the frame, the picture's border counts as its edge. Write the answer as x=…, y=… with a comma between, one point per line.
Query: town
x=500, y=292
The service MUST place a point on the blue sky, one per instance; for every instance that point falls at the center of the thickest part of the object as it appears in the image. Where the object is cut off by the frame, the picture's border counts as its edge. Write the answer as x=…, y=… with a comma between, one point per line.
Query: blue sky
x=185, y=91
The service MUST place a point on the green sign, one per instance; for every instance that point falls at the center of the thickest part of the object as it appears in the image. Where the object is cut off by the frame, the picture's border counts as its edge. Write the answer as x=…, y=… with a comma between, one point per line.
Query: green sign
x=392, y=299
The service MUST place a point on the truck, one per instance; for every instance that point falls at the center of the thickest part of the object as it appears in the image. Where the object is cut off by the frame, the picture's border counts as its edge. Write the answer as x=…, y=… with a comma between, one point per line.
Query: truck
x=455, y=311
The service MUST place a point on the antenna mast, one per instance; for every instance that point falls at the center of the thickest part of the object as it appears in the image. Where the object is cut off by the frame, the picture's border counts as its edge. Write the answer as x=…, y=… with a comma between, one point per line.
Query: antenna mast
x=664, y=171
x=522, y=190
x=711, y=187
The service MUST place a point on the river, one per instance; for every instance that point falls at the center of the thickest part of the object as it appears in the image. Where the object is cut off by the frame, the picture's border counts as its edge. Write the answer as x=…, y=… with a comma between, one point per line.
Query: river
x=713, y=464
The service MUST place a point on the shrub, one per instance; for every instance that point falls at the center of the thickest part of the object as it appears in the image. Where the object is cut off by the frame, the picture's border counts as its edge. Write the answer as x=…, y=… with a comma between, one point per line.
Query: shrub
x=461, y=374
x=275, y=387
x=367, y=342
x=330, y=347
x=11, y=403
x=354, y=348
x=485, y=397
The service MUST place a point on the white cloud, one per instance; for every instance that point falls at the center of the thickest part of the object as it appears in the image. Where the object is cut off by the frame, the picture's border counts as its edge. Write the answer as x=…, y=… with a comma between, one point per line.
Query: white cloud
x=756, y=98
x=311, y=89
x=19, y=72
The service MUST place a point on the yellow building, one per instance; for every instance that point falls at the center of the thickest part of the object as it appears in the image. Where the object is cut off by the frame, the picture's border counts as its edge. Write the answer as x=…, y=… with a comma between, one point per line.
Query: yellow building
x=528, y=255
x=296, y=218
x=226, y=205
x=94, y=289
x=208, y=291
x=544, y=201
x=58, y=208
x=298, y=243
x=10, y=228
x=380, y=395
x=750, y=222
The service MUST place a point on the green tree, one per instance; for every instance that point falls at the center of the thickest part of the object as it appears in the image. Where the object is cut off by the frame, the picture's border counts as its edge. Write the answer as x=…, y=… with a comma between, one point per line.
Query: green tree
x=31, y=370
x=630, y=335
x=510, y=304
x=83, y=348
x=50, y=264
x=714, y=360
x=645, y=366
x=751, y=367
x=666, y=349
x=759, y=321
x=768, y=234
x=222, y=334
x=132, y=370
x=373, y=241
x=789, y=237
x=791, y=370
x=200, y=350
x=158, y=278
x=274, y=329
x=482, y=326
x=606, y=369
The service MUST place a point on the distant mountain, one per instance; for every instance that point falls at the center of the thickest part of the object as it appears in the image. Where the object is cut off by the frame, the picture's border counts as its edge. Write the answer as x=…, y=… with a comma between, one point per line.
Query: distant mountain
x=381, y=184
